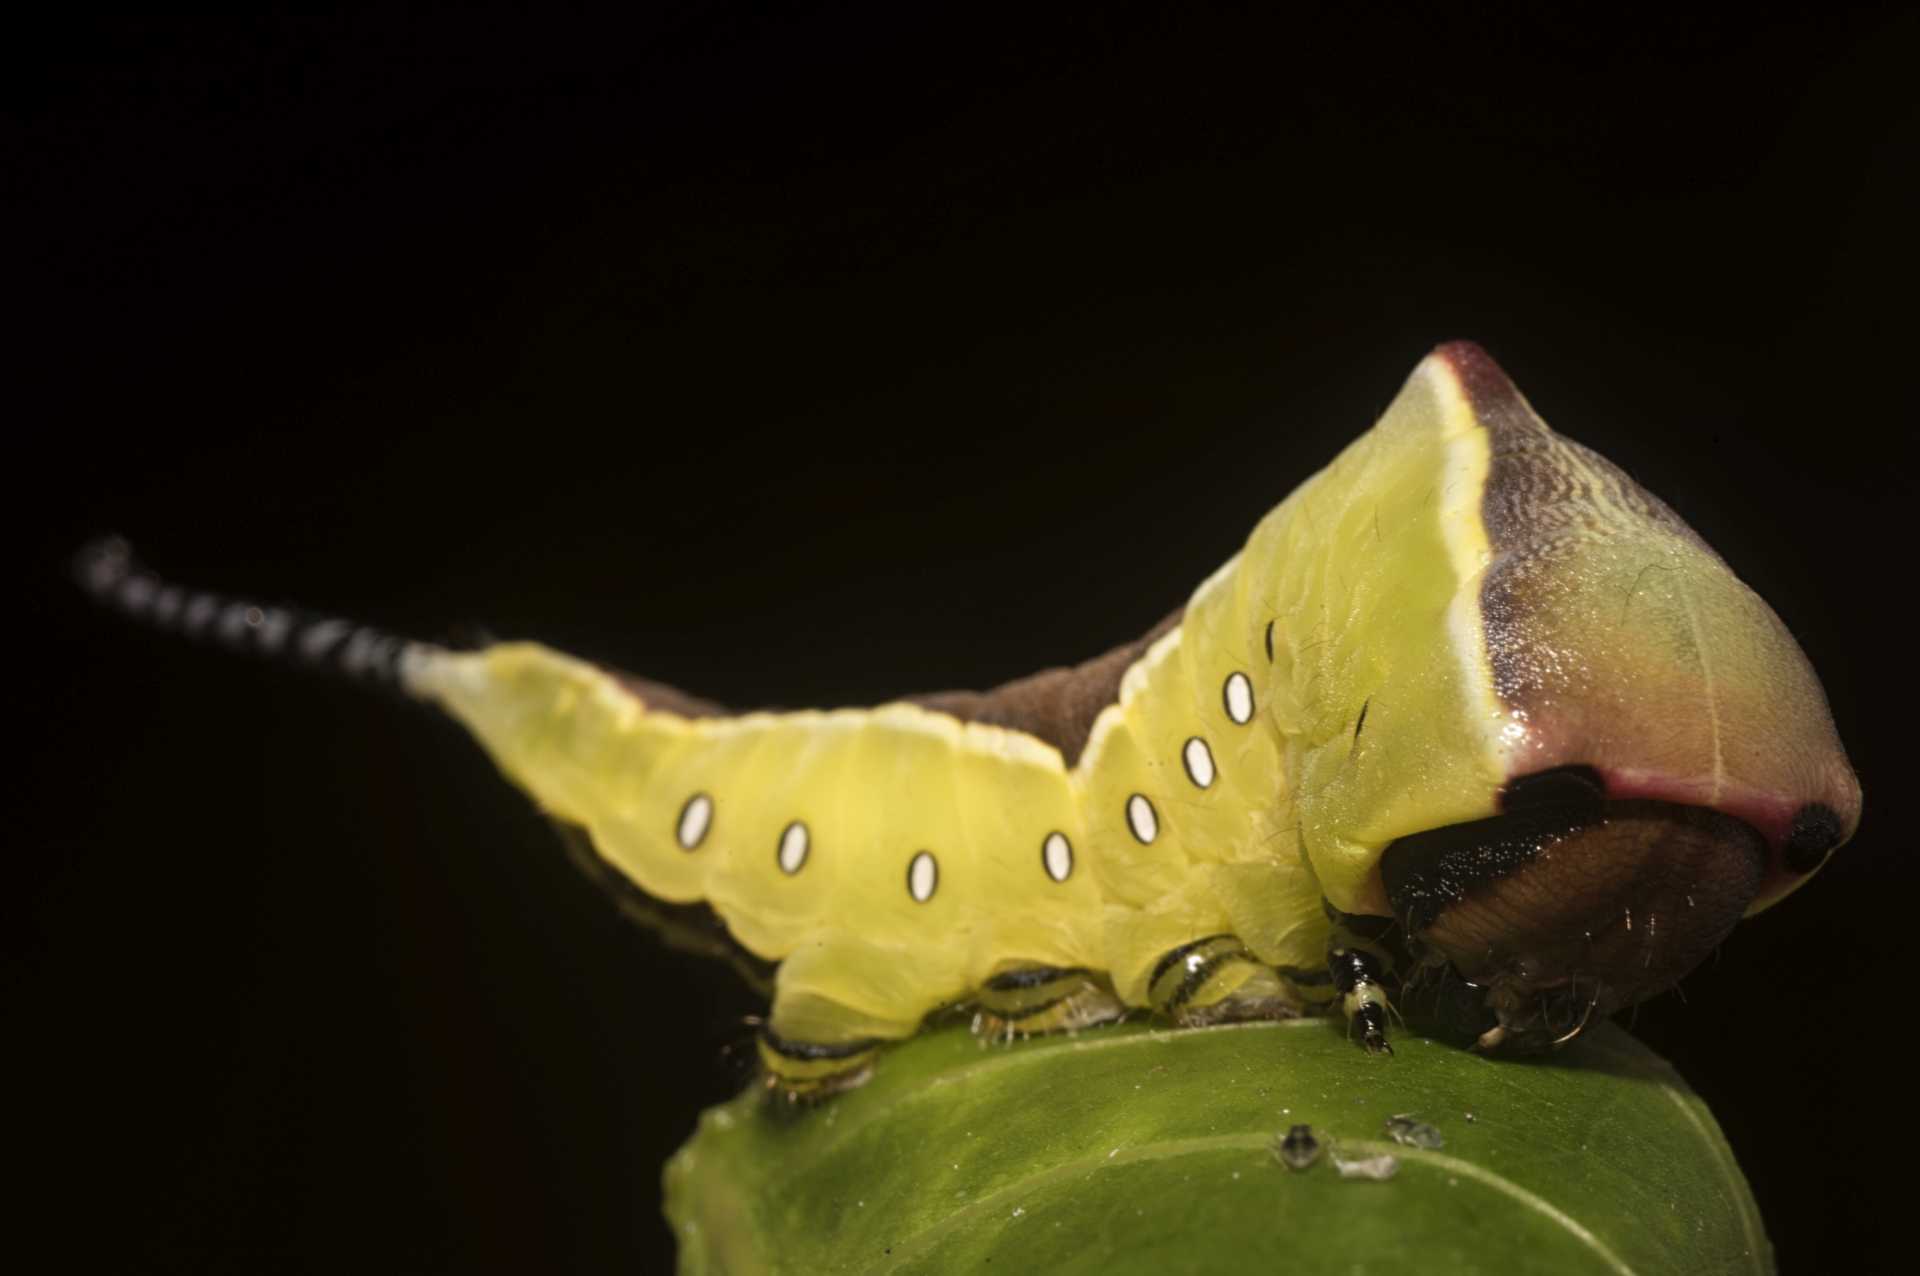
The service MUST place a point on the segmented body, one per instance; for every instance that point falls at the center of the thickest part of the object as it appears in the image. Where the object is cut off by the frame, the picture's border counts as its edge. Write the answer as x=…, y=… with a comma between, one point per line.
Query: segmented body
x=898, y=859
x=1460, y=603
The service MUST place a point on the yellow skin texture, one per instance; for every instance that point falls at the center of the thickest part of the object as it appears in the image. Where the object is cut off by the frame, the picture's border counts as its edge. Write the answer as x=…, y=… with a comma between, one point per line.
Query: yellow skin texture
x=1633, y=648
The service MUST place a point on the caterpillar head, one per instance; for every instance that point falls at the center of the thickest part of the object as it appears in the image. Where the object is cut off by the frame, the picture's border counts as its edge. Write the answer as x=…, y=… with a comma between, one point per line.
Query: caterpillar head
x=1569, y=905
x=1655, y=758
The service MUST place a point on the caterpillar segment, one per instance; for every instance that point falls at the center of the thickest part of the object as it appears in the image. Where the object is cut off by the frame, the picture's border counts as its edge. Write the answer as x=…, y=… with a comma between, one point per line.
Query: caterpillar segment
x=1470, y=714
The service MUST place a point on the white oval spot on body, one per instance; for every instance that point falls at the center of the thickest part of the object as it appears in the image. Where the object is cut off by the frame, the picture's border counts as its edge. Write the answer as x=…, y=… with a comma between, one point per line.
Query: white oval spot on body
x=794, y=845
x=923, y=877
x=696, y=817
x=1142, y=819
x=1199, y=761
x=1056, y=856
x=1238, y=694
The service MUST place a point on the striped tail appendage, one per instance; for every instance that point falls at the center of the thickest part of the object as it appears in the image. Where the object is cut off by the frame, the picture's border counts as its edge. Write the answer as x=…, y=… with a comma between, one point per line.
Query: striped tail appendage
x=109, y=573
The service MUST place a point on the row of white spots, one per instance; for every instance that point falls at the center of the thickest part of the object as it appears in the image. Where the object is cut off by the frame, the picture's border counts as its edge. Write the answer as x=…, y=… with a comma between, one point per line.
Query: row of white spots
x=1056, y=852
x=923, y=871
x=1237, y=695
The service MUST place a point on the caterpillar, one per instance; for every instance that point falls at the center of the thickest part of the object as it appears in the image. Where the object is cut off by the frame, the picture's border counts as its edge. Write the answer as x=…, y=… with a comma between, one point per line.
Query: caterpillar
x=1472, y=726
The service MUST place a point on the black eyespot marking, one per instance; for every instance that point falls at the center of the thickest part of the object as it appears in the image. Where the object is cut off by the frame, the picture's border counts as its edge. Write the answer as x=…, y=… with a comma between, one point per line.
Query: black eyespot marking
x=1577, y=785
x=1816, y=830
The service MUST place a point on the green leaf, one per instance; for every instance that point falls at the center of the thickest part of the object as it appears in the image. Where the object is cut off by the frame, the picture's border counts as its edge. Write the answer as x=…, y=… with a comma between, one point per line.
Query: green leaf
x=1130, y=1149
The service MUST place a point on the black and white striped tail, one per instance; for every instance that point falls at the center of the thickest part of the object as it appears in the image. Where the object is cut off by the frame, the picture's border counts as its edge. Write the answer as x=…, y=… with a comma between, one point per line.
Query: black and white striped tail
x=108, y=571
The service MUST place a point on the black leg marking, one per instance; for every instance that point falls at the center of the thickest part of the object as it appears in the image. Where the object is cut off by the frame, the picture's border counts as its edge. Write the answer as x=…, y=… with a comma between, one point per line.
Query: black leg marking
x=1026, y=1000
x=1358, y=976
x=1304, y=977
x=814, y=1051
x=807, y=1070
x=1183, y=971
x=1216, y=980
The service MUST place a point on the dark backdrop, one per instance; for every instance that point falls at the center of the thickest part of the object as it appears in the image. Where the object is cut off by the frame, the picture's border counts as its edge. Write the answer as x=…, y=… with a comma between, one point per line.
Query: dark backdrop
x=814, y=359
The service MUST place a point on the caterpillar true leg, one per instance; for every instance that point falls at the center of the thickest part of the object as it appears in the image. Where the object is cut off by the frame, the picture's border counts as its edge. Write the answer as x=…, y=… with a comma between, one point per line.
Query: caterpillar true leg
x=1358, y=977
x=1362, y=962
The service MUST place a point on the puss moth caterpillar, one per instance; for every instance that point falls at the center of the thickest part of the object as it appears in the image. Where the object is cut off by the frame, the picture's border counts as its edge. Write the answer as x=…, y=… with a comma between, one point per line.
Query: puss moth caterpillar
x=1470, y=704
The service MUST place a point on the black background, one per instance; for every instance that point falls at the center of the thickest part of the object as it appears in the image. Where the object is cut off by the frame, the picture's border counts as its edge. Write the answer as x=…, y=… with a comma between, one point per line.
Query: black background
x=813, y=359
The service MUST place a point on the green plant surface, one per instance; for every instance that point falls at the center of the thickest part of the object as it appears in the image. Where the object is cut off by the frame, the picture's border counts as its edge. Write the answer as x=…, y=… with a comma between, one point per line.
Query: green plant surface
x=1133, y=1149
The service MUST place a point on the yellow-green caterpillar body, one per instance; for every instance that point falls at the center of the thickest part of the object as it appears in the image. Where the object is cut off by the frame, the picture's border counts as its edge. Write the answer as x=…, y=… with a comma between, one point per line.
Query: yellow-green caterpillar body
x=1468, y=702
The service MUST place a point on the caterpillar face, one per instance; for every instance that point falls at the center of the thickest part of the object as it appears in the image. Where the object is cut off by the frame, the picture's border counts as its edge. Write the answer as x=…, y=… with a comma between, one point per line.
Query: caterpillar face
x=1572, y=907
x=1670, y=765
